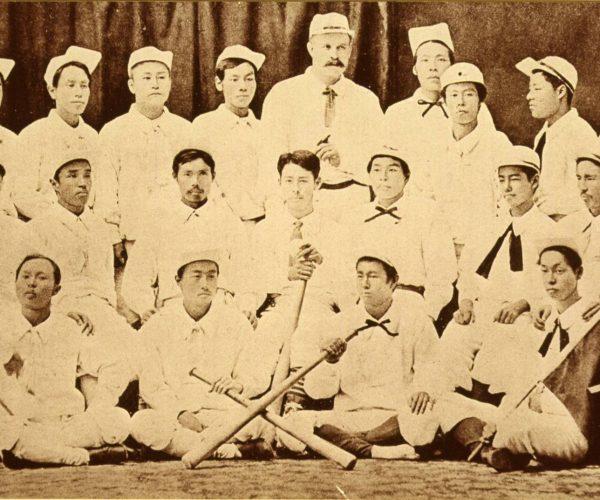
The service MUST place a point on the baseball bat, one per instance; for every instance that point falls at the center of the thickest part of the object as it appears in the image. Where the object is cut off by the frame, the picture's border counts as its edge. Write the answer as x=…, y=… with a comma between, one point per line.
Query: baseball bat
x=227, y=430
x=321, y=446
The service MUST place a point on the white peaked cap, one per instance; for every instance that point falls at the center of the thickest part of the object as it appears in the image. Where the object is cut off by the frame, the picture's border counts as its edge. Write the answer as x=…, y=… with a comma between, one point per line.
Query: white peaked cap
x=148, y=54
x=241, y=52
x=435, y=33
x=6, y=66
x=519, y=156
x=89, y=58
x=553, y=65
x=462, y=73
x=195, y=255
x=332, y=22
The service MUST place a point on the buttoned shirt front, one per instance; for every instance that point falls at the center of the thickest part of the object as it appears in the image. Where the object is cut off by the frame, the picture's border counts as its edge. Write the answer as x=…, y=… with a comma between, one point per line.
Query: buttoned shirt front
x=221, y=343
x=566, y=139
x=54, y=353
x=141, y=152
x=42, y=145
x=82, y=246
x=379, y=370
x=149, y=278
x=413, y=231
x=293, y=117
x=234, y=142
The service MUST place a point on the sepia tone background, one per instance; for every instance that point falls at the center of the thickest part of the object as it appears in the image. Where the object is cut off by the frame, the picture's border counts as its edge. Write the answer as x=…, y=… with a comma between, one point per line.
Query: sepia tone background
x=493, y=36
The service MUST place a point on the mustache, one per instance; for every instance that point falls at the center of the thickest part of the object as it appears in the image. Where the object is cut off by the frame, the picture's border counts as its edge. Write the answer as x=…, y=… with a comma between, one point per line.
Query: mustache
x=336, y=63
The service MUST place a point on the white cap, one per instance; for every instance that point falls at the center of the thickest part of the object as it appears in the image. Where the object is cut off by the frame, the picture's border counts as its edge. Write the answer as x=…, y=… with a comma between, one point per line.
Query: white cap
x=462, y=73
x=148, y=54
x=332, y=22
x=375, y=253
x=435, y=33
x=391, y=152
x=592, y=154
x=559, y=240
x=519, y=156
x=89, y=58
x=241, y=52
x=6, y=66
x=553, y=65
x=56, y=161
x=195, y=255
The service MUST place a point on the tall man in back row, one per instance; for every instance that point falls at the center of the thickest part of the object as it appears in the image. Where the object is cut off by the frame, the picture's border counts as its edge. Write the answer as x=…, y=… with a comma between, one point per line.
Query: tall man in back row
x=328, y=114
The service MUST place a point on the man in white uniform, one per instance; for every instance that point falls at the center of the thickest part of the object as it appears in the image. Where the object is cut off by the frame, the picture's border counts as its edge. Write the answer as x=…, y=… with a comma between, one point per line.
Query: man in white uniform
x=324, y=112
x=8, y=141
x=564, y=136
x=232, y=135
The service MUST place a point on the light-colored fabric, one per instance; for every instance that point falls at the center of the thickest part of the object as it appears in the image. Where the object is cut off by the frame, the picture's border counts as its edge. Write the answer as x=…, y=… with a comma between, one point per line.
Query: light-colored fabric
x=293, y=117
x=141, y=153
x=418, y=242
x=234, y=143
x=149, y=278
x=566, y=139
x=221, y=343
x=9, y=160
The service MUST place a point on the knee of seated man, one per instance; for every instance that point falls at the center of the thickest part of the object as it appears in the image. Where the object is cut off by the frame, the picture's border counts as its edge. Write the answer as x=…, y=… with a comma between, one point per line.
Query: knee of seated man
x=152, y=428
x=114, y=424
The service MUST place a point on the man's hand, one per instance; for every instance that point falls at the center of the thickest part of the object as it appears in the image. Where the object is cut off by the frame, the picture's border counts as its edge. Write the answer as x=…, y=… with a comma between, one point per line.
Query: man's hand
x=592, y=308
x=251, y=317
x=419, y=402
x=540, y=315
x=511, y=311
x=334, y=350
x=189, y=421
x=146, y=315
x=328, y=152
x=83, y=321
x=120, y=255
x=301, y=269
x=465, y=314
x=224, y=384
x=14, y=365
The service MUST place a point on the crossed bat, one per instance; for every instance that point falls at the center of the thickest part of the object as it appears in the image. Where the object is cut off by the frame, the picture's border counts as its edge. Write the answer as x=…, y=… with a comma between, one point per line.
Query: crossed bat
x=223, y=433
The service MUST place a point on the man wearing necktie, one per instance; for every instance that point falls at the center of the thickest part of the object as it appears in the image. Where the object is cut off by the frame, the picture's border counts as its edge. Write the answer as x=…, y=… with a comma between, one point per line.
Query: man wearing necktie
x=217, y=341
x=378, y=412
x=564, y=136
x=408, y=227
x=325, y=112
x=549, y=411
x=43, y=416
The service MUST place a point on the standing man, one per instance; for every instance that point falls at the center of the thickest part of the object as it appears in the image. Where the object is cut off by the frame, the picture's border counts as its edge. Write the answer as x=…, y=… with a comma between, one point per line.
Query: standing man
x=231, y=133
x=324, y=112
x=564, y=136
x=195, y=332
x=8, y=141
x=142, y=143
x=408, y=227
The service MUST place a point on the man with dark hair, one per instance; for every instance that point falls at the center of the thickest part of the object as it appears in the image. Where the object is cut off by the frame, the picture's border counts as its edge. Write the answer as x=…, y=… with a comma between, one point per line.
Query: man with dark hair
x=384, y=384
x=408, y=227
x=564, y=136
x=195, y=218
x=196, y=332
x=232, y=134
x=43, y=417
x=324, y=112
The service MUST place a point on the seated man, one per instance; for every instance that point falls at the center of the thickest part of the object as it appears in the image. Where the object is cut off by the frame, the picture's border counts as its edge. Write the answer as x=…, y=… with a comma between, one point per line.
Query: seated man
x=81, y=243
x=498, y=283
x=194, y=219
x=43, y=417
x=548, y=410
x=408, y=227
x=383, y=384
x=218, y=341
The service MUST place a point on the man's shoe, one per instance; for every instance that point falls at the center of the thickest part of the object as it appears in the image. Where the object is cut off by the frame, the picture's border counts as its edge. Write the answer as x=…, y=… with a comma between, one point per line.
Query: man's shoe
x=257, y=449
x=504, y=460
x=114, y=454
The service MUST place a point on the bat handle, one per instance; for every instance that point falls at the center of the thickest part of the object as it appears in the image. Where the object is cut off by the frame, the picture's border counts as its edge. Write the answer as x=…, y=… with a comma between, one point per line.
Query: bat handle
x=476, y=451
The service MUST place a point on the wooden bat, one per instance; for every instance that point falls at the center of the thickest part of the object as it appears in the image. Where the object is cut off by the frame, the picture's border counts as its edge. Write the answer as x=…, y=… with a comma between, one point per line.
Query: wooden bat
x=227, y=430
x=324, y=448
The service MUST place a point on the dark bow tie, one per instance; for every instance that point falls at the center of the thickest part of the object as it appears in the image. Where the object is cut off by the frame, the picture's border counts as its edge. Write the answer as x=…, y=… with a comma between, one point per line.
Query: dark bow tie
x=383, y=211
x=515, y=251
x=563, y=338
x=374, y=324
x=430, y=105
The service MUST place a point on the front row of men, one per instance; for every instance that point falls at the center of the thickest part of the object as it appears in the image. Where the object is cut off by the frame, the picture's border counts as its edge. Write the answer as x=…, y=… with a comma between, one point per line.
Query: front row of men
x=491, y=383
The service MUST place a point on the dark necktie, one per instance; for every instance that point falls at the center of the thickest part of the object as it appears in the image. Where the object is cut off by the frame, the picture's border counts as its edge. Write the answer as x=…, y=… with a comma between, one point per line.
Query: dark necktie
x=563, y=338
x=430, y=105
x=329, y=106
x=539, y=149
x=515, y=251
x=296, y=233
x=383, y=211
x=373, y=324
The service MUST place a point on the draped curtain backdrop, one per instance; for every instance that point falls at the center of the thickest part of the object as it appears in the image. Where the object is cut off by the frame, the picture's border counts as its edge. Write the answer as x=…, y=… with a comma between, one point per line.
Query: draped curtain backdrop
x=493, y=36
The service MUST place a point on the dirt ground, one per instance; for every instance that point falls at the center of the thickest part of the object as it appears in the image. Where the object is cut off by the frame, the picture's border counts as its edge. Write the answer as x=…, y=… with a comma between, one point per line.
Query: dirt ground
x=297, y=479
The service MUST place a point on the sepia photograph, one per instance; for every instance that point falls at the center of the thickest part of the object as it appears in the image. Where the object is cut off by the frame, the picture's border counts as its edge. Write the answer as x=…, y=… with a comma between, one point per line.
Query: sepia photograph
x=299, y=249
